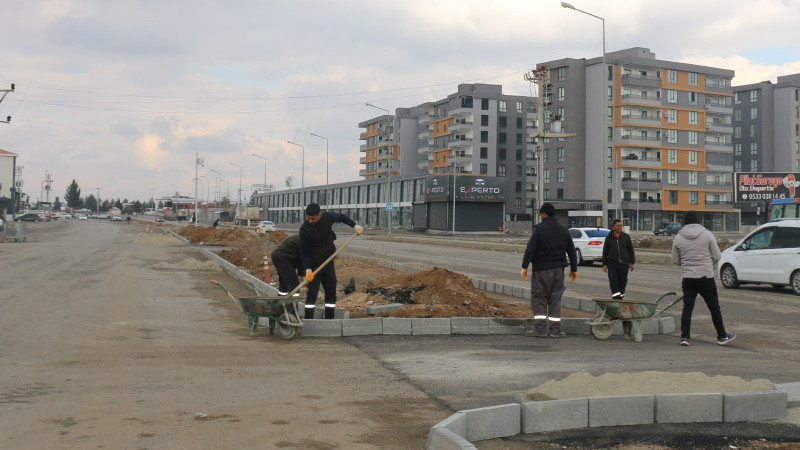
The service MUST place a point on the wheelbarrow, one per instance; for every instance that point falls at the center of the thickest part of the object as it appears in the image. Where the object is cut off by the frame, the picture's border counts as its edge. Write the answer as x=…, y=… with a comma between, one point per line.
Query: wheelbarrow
x=635, y=312
x=282, y=310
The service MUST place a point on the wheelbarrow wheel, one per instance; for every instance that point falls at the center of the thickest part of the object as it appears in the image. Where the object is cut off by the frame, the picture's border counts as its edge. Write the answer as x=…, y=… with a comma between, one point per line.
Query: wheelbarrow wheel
x=288, y=331
x=602, y=331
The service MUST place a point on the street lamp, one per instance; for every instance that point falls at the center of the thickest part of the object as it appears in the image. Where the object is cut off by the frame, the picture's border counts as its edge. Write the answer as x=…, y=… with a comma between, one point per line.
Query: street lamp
x=216, y=188
x=388, y=174
x=605, y=113
x=326, y=166
x=239, y=201
x=303, y=167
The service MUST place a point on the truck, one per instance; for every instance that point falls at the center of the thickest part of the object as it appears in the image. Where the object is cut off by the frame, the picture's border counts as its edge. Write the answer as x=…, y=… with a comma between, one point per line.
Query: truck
x=247, y=215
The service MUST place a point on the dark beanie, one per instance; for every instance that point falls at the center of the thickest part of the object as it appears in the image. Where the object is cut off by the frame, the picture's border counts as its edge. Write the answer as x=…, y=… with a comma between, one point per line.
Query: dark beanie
x=548, y=209
x=312, y=209
x=690, y=217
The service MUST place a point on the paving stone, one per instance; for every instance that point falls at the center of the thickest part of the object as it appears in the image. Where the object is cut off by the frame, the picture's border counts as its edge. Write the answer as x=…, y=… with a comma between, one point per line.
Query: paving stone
x=517, y=291
x=476, y=283
x=526, y=293
x=683, y=408
x=666, y=325
x=322, y=327
x=792, y=390
x=444, y=439
x=490, y=286
x=493, y=422
x=753, y=406
x=377, y=309
x=362, y=327
x=508, y=289
x=553, y=415
x=500, y=325
x=396, y=325
x=469, y=325
x=651, y=326
x=482, y=285
x=430, y=325
x=621, y=410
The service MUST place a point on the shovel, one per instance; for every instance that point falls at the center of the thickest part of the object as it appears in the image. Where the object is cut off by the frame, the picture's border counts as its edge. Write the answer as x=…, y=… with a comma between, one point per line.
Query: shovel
x=321, y=266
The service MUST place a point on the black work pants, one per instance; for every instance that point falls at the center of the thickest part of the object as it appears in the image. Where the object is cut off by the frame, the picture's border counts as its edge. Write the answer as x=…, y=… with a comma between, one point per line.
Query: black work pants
x=287, y=274
x=617, y=276
x=326, y=277
x=708, y=290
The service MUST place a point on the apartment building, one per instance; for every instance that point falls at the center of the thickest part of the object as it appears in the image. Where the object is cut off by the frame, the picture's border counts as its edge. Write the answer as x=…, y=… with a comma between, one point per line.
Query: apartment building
x=8, y=180
x=476, y=131
x=766, y=132
x=668, y=129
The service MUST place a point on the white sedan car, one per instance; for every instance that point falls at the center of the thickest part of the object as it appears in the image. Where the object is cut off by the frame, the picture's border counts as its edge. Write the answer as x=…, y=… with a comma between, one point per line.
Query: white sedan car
x=589, y=243
x=265, y=226
x=768, y=255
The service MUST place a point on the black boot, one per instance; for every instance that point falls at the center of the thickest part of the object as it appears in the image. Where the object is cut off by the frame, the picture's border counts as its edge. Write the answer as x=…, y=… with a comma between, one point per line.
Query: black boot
x=309, y=312
x=329, y=312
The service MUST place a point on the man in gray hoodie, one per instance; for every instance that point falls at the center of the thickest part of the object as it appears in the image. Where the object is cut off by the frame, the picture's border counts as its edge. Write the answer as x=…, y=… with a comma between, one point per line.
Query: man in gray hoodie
x=695, y=249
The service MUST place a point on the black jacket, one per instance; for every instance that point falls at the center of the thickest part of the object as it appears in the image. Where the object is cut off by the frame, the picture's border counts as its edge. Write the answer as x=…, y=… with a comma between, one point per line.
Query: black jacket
x=289, y=251
x=619, y=250
x=316, y=241
x=548, y=247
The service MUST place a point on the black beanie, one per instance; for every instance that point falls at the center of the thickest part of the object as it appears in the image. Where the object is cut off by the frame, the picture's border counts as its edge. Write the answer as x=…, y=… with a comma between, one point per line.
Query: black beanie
x=690, y=217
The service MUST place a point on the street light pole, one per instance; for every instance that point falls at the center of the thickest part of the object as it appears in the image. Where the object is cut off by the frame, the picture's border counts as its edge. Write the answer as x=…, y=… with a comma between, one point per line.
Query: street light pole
x=388, y=174
x=303, y=167
x=605, y=113
x=216, y=188
x=239, y=201
x=326, y=166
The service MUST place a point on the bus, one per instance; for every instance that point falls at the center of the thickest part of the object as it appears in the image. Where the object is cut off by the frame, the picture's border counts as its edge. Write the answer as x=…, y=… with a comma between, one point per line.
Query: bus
x=784, y=208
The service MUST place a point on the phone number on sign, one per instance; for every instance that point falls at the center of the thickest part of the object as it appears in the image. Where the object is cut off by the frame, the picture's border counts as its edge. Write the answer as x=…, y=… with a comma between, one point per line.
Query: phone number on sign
x=765, y=196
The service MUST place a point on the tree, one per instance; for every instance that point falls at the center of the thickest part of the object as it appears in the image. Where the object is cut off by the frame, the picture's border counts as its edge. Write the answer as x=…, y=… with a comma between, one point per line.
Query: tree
x=73, y=195
x=91, y=203
x=118, y=204
x=137, y=206
x=57, y=204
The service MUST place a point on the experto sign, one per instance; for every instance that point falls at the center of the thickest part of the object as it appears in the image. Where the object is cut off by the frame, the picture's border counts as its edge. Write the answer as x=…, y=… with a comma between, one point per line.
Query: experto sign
x=468, y=188
x=751, y=186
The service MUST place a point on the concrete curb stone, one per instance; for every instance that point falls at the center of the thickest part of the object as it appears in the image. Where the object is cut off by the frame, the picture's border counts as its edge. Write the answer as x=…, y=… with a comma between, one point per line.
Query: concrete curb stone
x=493, y=422
x=555, y=415
x=792, y=390
x=469, y=325
x=396, y=325
x=751, y=406
x=322, y=328
x=682, y=408
x=621, y=410
x=377, y=309
x=421, y=326
x=362, y=327
x=500, y=325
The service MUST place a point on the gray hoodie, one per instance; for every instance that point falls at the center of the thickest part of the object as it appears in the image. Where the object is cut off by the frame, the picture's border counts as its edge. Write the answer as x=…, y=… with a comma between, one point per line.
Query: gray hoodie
x=695, y=249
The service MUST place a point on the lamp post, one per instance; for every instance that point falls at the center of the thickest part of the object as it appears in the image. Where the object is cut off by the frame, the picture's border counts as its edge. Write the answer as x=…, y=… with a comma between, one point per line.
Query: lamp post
x=605, y=114
x=326, y=166
x=239, y=201
x=303, y=166
x=388, y=174
x=265, y=173
x=216, y=188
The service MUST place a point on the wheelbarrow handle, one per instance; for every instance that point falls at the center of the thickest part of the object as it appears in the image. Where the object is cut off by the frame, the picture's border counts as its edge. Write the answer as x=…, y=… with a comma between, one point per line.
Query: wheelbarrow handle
x=229, y=293
x=664, y=296
x=321, y=266
x=668, y=306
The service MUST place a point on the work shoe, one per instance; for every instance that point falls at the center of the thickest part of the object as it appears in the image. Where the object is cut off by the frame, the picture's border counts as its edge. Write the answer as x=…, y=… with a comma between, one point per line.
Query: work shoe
x=728, y=337
x=617, y=295
x=558, y=334
x=685, y=342
x=538, y=334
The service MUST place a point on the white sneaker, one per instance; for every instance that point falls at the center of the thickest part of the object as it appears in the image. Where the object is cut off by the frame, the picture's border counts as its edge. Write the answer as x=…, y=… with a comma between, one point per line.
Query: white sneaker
x=616, y=295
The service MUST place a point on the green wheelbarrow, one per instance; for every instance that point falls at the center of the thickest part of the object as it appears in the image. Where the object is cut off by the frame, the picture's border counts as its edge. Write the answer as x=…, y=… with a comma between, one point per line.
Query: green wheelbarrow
x=281, y=311
x=634, y=312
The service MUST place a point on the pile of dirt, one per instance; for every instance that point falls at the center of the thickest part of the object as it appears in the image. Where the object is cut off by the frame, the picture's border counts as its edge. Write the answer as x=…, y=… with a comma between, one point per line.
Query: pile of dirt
x=217, y=236
x=277, y=236
x=436, y=292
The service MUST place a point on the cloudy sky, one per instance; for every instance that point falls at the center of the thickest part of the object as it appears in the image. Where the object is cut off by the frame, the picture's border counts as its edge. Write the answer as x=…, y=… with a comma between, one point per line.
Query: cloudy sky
x=120, y=94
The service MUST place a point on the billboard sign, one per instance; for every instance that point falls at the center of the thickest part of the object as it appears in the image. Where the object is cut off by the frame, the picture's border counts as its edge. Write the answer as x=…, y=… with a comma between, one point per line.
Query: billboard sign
x=754, y=186
x=468, y=188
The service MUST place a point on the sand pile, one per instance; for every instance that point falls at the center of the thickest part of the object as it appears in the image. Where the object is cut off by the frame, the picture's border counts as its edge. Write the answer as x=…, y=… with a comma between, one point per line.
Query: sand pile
x=583, y=384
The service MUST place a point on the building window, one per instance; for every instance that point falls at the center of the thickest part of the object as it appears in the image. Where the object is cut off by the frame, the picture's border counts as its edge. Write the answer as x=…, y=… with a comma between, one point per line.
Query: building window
x=737, y=132
x=672, y=96
x=753, y=165
x=560, y=174
x=501, y=154
x=518, y=186
x=753, y=113
x=737, y=149
x=693, y=138
x=519, y=171
x=753, y=96
x=519, y=107
x=737, y=114
x=501, y=121
x=692, y=79
x=693, y=158
x=519, y=153
x=484, y=152
x=546, y=193
x=672, y=136
x=484, y=136
x=501, y=138
x=754, y=148
x=560, y=193
x=672, y=177
x=484, y=169
x=672, y=76
x=610, y=113
x=672, y=116
x=484, y=120
x=753, y=130
x=519, y=138
x=692, y=197
x=501, y=170
x=561, y=94
x=546, y=155
x=519, y=123
x=518, y=202
x=561, y=73
x=737, y=165
x=692, y=117
x=736, y=98
x=502, y=105
x=610, y=93
x=560, y=154
x=672, y=156
x=693, y=98
x=673, y=197
x=693, y=178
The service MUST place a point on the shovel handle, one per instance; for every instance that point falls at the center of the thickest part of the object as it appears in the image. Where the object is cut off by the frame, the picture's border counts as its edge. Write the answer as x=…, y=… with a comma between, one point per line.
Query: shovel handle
x=321, y=266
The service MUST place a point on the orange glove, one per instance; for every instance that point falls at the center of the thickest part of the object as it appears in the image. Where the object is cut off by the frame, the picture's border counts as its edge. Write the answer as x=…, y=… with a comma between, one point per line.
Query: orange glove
x=524, y=274
x=573, y=276
x=309, y=275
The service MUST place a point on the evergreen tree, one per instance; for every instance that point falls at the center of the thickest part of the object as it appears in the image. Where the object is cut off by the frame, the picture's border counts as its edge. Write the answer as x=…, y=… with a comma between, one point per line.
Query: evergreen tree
x=57, y=204
x=73, y=195
x=90, y=202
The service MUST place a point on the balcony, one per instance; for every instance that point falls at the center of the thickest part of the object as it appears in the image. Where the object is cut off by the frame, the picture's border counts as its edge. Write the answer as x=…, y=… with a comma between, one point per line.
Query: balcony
x=638, y=119
x=722, y=146
x=642, y=205
x=719, y=127
x=424, y=134
x=461, y=112
x=425, y=119
x=719, y=168
x=423, y=150
x=641, y=99
x=718, y=204
x=639, y=161
x=456, y=127
x=362, y=172
x=362, y=160
x=423, y=165
x=718, y=87
x=632, y=139
x=467, y=157
x=460, y=143
x=362, y=148
x=635, y=79
x=633, y=184
x=362, y=136
x=719, y=107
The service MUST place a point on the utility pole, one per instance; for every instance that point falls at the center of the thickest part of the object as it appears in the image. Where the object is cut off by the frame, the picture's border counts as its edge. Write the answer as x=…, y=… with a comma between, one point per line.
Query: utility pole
x=5, y=92
x=97, y=207
x=541, y=77
x=197, y=162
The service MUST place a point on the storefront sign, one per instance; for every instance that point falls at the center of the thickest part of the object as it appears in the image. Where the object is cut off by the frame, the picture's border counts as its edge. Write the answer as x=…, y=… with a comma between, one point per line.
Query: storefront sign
x=751, y=186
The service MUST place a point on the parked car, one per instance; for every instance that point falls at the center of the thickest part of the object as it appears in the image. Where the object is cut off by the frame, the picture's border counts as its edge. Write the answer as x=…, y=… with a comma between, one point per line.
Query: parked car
x=159, y=219
x=83, y=217
x=589, y=243
x=768, y=255
x=669, y=229
x=116, y=218
x=30, y=217
x=265, y=226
